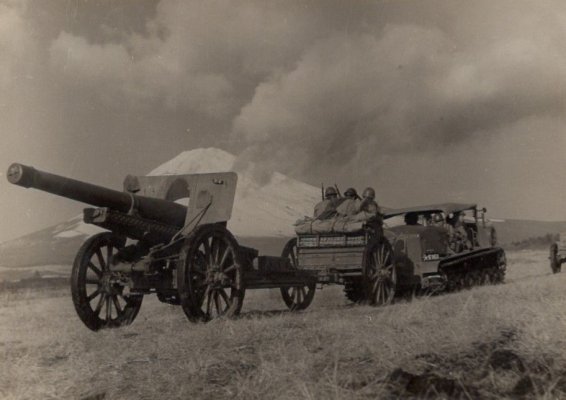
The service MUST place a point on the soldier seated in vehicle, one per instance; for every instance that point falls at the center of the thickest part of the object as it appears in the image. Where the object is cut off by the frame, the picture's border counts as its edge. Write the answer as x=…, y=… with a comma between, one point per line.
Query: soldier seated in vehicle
x=350, y=205
x=327, y=207
x=458, y=236
x=437, y=220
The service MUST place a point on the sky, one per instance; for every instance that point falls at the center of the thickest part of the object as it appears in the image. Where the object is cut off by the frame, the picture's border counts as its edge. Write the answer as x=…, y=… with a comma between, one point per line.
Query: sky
x=425, y=100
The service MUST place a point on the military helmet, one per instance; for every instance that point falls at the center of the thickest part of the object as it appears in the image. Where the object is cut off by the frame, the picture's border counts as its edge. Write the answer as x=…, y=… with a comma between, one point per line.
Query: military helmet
x=351, y=192
x=437, y=218
x=330, y=191
x=369, y=192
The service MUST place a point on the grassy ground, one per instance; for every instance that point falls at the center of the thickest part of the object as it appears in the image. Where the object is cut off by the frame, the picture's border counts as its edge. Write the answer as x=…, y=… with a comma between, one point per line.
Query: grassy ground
x=504, y=341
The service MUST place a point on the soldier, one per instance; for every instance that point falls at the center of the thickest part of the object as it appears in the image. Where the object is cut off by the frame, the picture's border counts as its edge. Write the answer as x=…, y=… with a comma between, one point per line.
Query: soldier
x=327, y=207
x=368, y=204
x=351, y=204
x=459, y=240
x=369, y=211
x=438, y=220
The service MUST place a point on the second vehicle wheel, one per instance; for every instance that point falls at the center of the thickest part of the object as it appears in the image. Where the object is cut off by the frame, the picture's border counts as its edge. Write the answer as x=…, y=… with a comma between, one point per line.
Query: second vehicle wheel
x=380, y=277
x=296, y=298
x=209, y=277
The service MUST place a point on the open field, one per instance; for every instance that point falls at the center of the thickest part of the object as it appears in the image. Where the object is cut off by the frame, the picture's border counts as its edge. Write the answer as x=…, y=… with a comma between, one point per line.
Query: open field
x=503, y=341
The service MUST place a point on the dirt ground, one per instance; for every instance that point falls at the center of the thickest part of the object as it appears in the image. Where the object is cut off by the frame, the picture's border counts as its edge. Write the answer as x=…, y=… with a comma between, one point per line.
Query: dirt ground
x=504, y=341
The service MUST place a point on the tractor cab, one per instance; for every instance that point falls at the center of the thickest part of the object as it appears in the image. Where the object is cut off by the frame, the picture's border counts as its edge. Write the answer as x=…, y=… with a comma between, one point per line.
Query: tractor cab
x=423, y=236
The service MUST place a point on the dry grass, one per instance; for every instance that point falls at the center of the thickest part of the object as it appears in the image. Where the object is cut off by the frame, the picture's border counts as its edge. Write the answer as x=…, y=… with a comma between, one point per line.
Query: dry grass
x=491, y=342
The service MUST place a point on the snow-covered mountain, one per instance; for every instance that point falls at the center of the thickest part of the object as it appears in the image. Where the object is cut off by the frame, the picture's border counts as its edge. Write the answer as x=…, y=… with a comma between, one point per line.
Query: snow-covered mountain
x=265, y=207
x=268, y=208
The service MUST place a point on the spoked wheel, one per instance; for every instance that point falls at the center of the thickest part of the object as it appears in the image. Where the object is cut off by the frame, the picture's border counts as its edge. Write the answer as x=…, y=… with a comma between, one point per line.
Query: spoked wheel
x=555, y=264
x=379, y=273
x=296, y=298
x=98, y=293
x=210, y=275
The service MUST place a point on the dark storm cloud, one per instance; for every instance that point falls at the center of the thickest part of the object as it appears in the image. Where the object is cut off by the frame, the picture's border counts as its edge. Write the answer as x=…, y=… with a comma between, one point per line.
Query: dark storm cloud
x=331, y=82
x=404, y=89
x=353, y=91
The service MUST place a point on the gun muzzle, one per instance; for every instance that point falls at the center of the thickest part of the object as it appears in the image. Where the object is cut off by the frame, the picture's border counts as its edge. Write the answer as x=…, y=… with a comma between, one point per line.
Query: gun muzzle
x=21, y=175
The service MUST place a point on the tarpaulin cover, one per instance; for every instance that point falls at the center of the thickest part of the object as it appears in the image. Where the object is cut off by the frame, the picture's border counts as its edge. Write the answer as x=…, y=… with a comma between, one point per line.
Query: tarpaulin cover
x=332, y=225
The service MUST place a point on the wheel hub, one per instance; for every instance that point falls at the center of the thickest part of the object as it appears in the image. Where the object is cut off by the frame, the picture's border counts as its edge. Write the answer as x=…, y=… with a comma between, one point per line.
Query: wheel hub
x=109, y=284
x=383, y=274
x=216, y=278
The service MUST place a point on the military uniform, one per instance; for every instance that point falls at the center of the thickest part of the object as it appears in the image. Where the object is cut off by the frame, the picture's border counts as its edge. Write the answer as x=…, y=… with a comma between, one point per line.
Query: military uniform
x=327, y=207
x=348, y=207
x=369, y=211
x=370, y=206
x=458, y=237
x=321, y=207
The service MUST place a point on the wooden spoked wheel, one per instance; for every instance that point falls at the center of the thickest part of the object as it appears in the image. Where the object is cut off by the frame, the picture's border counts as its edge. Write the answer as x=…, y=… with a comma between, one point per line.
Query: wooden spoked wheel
x=210, y=275
x=98, y=293
x=380, y=277
x=296, y=298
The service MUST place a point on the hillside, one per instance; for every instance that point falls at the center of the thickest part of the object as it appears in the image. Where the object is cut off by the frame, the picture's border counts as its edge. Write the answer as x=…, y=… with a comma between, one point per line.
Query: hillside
x=513, y=230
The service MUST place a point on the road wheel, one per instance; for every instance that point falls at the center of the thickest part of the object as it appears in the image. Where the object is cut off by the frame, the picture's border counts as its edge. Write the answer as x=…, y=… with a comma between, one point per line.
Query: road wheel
x=296, y=298
x=380, y=277
x=209, y=277
x=98, y=293
x=555, y=264
x=486, y=278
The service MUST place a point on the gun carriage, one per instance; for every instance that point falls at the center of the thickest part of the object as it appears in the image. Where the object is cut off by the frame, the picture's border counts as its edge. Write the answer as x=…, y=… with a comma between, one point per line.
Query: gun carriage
x=187, y=256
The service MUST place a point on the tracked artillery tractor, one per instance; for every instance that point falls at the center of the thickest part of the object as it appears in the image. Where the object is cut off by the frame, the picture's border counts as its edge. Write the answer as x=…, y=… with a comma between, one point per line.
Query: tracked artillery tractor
x=374, y=266
x=450, y=247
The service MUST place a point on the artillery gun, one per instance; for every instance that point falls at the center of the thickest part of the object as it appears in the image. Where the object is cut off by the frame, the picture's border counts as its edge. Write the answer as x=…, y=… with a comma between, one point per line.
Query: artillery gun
x=184, y=254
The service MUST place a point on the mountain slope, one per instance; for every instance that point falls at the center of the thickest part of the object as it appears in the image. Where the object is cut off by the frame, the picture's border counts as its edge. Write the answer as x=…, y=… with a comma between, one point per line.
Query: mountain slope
x=514, y=230
x=264, y=207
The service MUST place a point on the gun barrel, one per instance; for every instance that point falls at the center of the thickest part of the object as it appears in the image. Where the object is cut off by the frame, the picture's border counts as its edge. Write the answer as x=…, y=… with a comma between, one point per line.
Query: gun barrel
x=164, y=211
